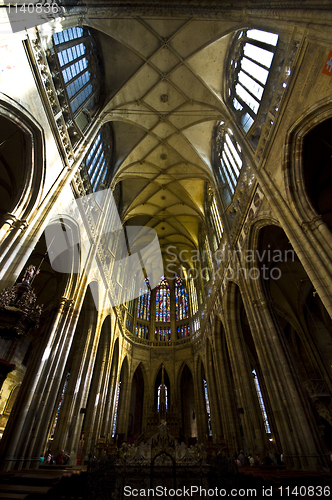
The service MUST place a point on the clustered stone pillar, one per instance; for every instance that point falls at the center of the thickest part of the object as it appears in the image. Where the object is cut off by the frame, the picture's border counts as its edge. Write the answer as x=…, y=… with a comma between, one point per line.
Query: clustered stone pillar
x=251, y=415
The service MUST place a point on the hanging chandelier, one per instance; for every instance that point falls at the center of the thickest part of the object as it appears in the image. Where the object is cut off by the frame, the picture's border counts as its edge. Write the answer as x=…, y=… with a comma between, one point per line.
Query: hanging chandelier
x=19, y=314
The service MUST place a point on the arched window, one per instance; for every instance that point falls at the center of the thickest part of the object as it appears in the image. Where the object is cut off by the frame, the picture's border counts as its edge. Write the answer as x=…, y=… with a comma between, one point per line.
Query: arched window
x=193, y=296
x=166, y=398
x=197, y=324
x=59, y=405
x=183, y=331
x=143, y=306
x=116, y=409
x=207, y=406
x=216, y=223
x=181, y=300
x=142, y=331
x=162, y=334
x=250, y=61
x=227, y=160
x=163, y=301
x=261, y=402
x=79, y=71
x=98, y=160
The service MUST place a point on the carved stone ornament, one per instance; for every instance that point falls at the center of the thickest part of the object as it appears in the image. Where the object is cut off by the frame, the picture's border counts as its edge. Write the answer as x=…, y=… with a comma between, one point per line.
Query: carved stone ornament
x=19, y=313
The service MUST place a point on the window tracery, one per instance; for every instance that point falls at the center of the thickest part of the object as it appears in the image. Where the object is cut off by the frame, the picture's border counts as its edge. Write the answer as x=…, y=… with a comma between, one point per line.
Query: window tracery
x=116, y=409
x=261, y=402
x=207, y=406
x=181, y=300
x=79, y=72
x=98, y=160
x=142, y=331
x=144, y=303
x=249, y=67
x=163, y=302
x=162, y=334
x=193, y=296
x=166, y=398
x=228, y=160
x=183, y=331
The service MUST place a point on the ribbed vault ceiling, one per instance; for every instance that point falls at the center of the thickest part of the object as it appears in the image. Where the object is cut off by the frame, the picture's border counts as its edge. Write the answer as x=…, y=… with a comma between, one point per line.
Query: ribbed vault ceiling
x=164, y=82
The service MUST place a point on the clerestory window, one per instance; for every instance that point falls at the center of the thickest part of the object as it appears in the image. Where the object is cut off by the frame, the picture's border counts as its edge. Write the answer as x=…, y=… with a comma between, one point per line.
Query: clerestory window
x=98, y=160
x=79, y=69
x=181, y=300
x=228, y=160
x=251, y=60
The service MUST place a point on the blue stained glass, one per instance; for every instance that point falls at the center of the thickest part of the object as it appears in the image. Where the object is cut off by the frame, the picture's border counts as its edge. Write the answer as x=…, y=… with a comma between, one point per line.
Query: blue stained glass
x=66, y=35
x=261, y=402
x=181, y=300
x=144, y=301
x=60, y=403
x=163, y=302
x=207, y=405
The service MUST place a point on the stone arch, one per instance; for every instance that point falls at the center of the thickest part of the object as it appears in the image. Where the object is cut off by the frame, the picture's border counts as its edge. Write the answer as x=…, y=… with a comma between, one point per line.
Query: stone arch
x=123, y=404
x=296, y=191
x=136, y=408
x=23, y=166
x=186, y=385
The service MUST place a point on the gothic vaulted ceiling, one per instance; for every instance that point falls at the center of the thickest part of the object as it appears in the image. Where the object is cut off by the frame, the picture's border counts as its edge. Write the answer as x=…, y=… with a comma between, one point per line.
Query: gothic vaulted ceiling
x=164, y=87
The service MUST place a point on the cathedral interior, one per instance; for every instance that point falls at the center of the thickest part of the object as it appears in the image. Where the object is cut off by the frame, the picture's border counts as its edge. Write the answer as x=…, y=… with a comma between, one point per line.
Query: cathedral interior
x=165, y=245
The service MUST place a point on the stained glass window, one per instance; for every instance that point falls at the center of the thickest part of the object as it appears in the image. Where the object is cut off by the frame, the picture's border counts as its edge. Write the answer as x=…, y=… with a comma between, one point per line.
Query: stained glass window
x=166, y=398
x=60, y=404
x=144, y=302
x=142, y=331
x=163, y=301
x=261, y=402
x=183, y=331
x=181, y=300
x=207, y=405
x=116, y=409
x=193, y=296
x=162, y=333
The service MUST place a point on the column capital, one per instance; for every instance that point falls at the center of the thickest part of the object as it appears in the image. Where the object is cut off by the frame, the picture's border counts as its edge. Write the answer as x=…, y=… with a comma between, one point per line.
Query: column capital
x=15, y=223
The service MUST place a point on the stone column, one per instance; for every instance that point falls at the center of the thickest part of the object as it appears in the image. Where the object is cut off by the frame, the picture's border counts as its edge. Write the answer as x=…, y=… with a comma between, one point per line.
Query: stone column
x=106, y=428
x=224, y=382
x=96, y=398
x=292, y=413
x=18, y=429
x=216, y=424
x=244, y=385
x=48, y=390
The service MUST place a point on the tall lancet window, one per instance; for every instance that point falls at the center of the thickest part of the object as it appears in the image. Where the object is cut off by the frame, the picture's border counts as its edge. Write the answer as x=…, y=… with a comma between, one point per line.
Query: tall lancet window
x=250, y=71
x=143, y=305
x=261, y=402
x=116, y=409
x=193, y=296
x=207, y=406
x=181, y=300
x=163, y=301
x=60, y=404
x=159, y=394
x=98, y=159
x=216, y=220
x=228, y=160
